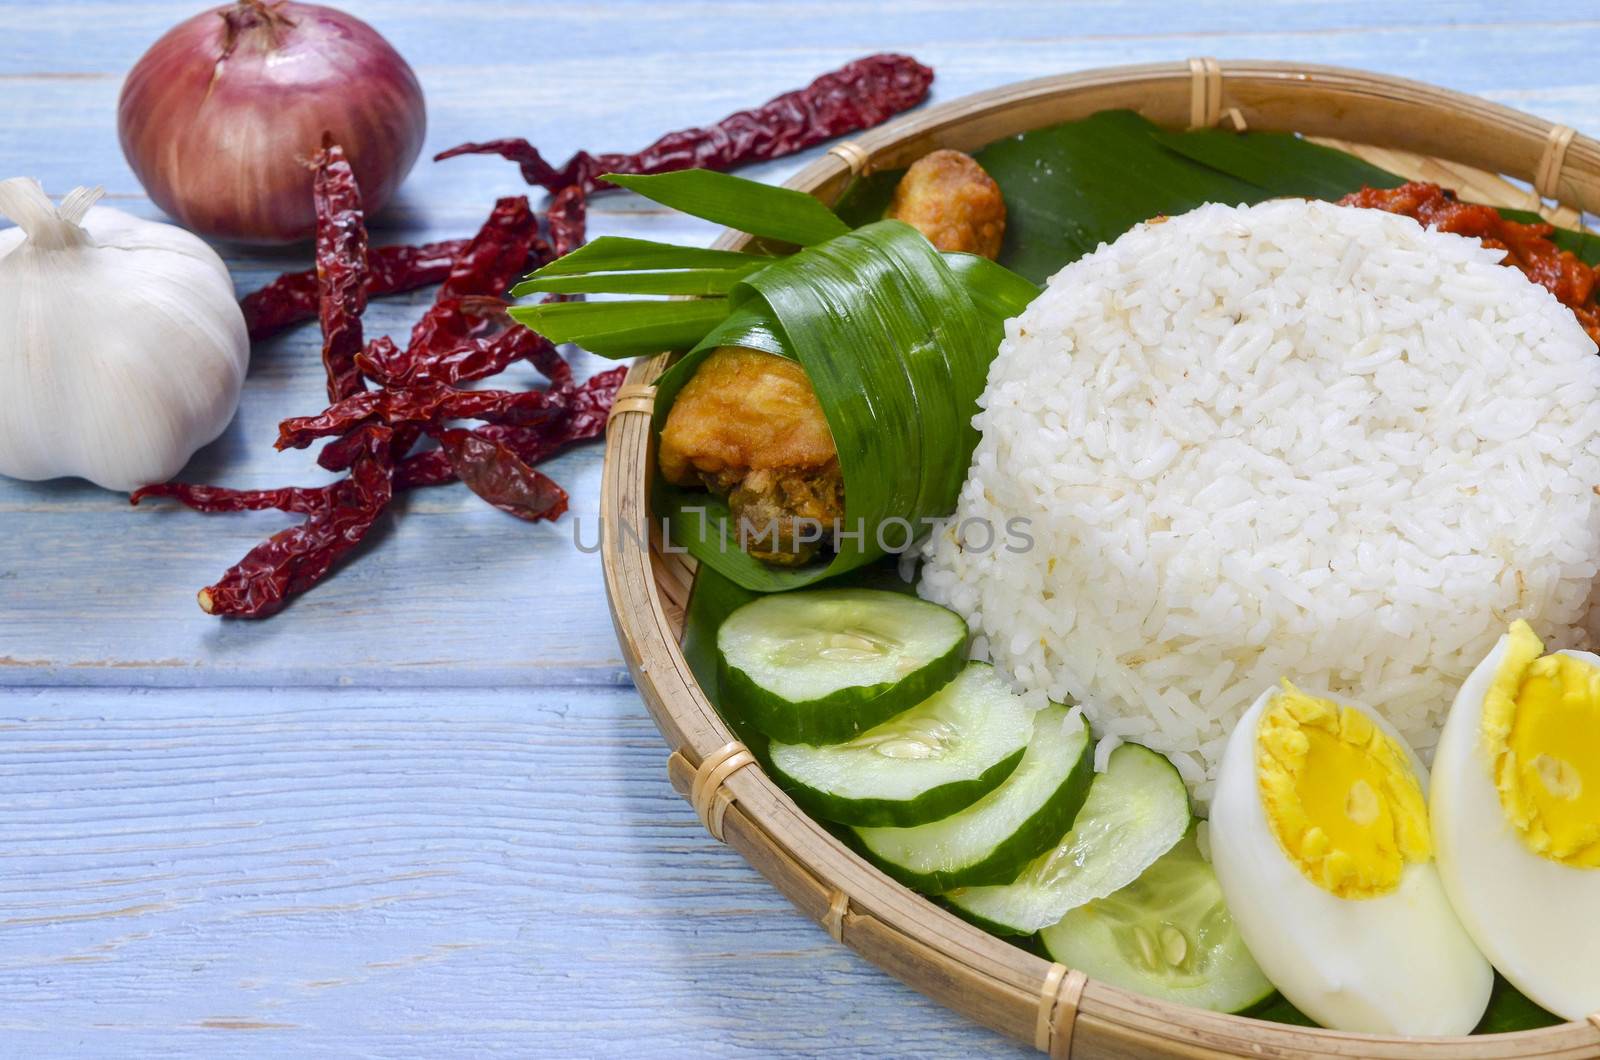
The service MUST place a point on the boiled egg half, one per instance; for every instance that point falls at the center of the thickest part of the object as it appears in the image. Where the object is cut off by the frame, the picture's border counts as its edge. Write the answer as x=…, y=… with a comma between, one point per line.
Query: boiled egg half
x=1320, y=838
x=1516, y=818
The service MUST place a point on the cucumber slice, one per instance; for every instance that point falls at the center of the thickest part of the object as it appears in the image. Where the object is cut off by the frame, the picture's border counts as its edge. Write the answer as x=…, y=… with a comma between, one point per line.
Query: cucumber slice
x=996, y=836
x=824, y=665
x=941, y=756
x=1136, y=810
x=1167, y=935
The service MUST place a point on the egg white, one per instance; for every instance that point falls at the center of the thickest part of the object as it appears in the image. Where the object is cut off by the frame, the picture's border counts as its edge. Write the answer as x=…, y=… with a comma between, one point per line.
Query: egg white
x=1537, y=920
x=1397, y=964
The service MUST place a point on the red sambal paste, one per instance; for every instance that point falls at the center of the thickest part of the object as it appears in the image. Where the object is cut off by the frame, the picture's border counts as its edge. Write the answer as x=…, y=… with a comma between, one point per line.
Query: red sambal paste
x=1528, y=246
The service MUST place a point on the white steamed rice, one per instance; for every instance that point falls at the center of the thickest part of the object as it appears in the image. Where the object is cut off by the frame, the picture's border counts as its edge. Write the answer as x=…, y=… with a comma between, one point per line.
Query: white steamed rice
x=1290, y=440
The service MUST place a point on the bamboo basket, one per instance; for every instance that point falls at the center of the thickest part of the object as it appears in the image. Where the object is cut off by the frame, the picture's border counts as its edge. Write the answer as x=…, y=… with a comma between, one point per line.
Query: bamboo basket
x=1413, y=129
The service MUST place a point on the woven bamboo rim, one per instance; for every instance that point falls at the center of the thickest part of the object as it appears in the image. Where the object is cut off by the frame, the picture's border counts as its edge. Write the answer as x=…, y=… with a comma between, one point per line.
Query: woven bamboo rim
x=1414, y=129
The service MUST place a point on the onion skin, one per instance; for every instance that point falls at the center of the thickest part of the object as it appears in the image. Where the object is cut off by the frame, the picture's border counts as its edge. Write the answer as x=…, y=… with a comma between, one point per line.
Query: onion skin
x=218, y=130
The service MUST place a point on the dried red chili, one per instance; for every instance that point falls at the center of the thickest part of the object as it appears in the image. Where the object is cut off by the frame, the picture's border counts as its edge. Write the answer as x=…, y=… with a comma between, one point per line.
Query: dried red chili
x=568, y=220
x=298, y=499
x=341, y=267
x=543, y=355
x=468, y=304
x=291, y=561
x=494, y=472
x=584, y=411
x=588, y=406
x=498, y=255
x=394, y=369
x=476, y=358
x=292, y=297
x=420, y=406
x=1528, y=246
x=857, y=96
x=452, y=321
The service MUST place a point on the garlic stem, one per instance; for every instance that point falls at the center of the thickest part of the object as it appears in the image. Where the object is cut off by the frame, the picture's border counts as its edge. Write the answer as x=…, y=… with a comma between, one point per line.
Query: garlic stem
x=23, y=200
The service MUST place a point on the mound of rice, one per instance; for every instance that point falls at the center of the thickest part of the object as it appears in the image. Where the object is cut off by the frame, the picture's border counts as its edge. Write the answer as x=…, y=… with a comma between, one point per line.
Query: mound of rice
x=1290, y=440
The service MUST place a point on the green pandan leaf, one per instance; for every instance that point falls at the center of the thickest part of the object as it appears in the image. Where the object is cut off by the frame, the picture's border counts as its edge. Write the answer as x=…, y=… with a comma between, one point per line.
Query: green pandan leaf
x=620, y=254
x=627, y=328
x=999, y=293
x=744, y=205
x=674, y=282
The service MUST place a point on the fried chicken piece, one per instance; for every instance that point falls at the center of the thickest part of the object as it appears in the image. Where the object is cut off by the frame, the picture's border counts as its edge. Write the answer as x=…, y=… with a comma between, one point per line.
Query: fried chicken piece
x=948, y=197
x=785, y=516
x=748, y=425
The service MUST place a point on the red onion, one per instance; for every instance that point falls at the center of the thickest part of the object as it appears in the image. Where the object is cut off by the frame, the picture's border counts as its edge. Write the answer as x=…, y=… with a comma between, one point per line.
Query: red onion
x=219, y=115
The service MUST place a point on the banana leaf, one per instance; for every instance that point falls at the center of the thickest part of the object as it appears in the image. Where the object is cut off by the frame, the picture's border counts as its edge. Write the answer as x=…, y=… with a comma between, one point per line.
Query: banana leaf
x=1070, y=187
x=999, y=293
x=1277, y=1009
x=1510, y=1010
x=1279, y=164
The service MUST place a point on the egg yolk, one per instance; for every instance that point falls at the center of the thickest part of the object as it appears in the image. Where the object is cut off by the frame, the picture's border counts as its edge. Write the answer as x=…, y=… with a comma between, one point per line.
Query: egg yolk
x=1541, y=731
x=1340, y=795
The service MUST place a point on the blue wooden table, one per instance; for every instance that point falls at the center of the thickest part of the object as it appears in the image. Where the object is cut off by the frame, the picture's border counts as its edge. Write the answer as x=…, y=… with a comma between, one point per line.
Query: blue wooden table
x=423, y=813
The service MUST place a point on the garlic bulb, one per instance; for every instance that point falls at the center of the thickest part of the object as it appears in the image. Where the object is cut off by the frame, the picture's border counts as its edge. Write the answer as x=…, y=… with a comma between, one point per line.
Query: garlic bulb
x=122, y=349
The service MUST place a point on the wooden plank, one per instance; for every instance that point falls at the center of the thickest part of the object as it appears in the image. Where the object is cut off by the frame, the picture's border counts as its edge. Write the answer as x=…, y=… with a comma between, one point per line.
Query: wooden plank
x=54, y=39
x=405, y=874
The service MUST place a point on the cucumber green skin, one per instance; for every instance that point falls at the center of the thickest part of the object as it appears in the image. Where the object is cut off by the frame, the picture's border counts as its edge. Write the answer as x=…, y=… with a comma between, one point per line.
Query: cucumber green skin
x=1038, y=833
x=998, y=930
x=841, y=715
x=932, y=805
x=1275, y=1008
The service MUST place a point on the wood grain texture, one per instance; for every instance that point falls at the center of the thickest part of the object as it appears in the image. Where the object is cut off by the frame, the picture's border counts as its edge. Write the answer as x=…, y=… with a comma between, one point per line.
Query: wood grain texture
x=426, y=873
x=352, y=830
